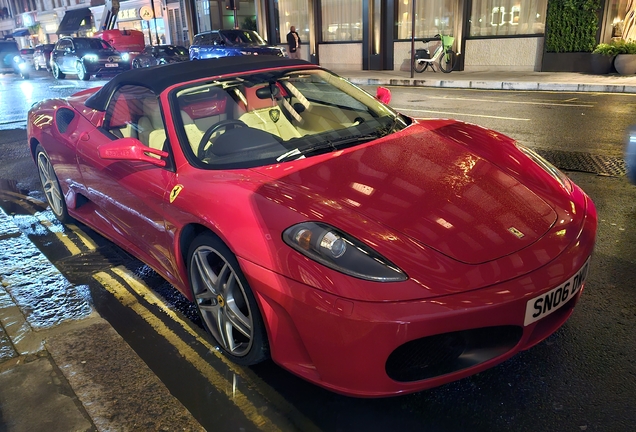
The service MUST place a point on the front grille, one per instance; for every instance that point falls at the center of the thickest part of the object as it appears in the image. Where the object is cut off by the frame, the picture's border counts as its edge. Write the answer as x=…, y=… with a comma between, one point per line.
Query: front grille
x=441, y=354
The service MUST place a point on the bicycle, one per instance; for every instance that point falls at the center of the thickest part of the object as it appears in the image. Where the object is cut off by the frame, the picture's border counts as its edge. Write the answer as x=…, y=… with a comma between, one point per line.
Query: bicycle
x=443, y=55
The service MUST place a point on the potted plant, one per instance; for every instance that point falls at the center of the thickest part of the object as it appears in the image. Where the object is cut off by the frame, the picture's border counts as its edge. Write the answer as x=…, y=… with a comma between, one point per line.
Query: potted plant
x=603, y=58
x=625, y=61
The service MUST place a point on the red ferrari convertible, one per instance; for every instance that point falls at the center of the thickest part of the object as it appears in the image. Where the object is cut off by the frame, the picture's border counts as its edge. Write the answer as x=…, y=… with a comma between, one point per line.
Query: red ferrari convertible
x=368, y=252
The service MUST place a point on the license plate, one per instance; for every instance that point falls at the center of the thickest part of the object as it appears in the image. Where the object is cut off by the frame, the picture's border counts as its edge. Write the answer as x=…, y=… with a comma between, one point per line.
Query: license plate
x=543, y=305
x=111, y=64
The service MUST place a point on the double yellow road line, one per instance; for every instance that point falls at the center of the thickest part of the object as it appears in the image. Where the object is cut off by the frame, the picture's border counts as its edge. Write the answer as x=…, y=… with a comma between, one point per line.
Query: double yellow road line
x=133, y=293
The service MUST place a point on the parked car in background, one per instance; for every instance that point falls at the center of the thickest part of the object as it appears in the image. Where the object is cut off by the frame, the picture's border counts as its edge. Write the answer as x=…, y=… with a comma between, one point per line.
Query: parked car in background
x=86, y=57
x=160, y=54
x=129, y=42
x=227, y=43
x=630, y=154
x=11, y=61
x=42, y=56
x=27, y=55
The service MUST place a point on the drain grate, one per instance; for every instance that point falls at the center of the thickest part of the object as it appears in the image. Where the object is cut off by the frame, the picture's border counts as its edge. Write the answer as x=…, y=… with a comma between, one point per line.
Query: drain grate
x=585, y=162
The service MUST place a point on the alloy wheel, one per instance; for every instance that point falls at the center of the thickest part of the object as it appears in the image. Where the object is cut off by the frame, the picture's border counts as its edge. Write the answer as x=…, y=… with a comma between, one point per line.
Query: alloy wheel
x=222, y=300
x=50, y=185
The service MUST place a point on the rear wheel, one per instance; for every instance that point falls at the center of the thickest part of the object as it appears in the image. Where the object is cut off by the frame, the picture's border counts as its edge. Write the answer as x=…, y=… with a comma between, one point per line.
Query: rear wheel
x=51, y=185
x=136, y=64
x=225, y=301
x=81, y=72
x=57, y=73
x=447, y=62
x=419, y=66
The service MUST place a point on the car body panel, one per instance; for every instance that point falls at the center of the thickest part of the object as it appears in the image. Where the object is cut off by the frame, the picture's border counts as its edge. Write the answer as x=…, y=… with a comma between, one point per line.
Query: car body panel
x=154, y=55
x=437, y=198
x=228, y=43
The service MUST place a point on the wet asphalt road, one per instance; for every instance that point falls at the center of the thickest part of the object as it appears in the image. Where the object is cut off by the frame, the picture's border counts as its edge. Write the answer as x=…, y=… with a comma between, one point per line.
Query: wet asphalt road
x=581, y=379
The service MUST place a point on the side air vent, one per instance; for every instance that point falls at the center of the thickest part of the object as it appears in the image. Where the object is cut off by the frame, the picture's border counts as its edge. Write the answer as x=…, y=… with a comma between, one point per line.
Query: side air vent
x=63, y=118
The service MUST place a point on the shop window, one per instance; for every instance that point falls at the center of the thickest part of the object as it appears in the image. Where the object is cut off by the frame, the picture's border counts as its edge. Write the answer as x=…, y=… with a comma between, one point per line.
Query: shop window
x=507, y=17
x=431, y=17
x=292, y=13
x=341, y=21
x=214, y=15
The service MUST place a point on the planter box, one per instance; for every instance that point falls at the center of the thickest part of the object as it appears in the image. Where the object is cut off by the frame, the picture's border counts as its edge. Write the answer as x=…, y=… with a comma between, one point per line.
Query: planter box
x=625, y=64
x=577, y=62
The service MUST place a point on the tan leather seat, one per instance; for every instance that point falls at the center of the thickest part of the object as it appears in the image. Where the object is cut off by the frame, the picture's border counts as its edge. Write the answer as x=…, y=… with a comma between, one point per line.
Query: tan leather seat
x=151, y=129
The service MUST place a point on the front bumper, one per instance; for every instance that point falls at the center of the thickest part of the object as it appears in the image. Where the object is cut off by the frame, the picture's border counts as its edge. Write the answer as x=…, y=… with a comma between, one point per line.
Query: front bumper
x=371, y=349
x=102, y=69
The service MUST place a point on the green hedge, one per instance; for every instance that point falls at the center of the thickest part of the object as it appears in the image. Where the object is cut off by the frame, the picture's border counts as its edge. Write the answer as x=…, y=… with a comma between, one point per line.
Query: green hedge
x=571, y=25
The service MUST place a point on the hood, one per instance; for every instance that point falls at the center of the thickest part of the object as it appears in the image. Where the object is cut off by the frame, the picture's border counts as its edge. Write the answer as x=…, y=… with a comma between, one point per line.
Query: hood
x=433, y=189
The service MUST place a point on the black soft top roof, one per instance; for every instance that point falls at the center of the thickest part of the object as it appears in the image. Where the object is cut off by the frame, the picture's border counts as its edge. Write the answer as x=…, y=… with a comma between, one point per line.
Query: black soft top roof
x=159, y=78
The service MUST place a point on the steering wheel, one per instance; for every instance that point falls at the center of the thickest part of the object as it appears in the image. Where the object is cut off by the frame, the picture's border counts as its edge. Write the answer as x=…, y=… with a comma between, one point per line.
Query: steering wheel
x=215, y=127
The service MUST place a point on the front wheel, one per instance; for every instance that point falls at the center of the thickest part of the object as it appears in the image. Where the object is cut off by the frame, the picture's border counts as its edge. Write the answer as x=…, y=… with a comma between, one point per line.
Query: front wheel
x=51, y=185
x=447, y=62
x=57, y=73
x=136, y=64
x=225, y=301
x=81, y=72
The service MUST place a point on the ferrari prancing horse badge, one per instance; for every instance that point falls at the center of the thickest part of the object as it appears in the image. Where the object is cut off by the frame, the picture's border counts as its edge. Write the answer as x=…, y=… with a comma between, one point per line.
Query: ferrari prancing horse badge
x=175, y=192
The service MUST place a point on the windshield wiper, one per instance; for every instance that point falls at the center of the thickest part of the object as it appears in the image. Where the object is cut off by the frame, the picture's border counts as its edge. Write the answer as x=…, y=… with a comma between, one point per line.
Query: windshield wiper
x=333, y=144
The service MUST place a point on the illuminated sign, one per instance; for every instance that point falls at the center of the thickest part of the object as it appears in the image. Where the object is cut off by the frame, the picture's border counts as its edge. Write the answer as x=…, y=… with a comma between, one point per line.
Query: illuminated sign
x=500, y=17
x=146, y=13
x=127, y=14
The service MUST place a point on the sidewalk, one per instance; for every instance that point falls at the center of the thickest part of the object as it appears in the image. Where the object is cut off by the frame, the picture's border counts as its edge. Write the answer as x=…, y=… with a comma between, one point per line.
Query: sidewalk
x=62, y=367
x=497, y=80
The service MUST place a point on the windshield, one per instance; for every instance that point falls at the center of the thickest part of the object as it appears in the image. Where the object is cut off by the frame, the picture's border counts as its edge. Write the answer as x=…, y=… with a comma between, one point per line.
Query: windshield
x=11, y=47
x=172, y=50
x=241, y=37
x=95, y=44
x=261, y=119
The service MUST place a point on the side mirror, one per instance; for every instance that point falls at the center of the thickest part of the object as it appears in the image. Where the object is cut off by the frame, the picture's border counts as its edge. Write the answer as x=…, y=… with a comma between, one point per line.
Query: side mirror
x=131, y=149
x=383, y=94
x=630, y=154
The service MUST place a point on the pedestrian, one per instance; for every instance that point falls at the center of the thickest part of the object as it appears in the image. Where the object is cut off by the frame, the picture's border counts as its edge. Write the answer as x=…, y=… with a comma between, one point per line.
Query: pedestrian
x=293, y=41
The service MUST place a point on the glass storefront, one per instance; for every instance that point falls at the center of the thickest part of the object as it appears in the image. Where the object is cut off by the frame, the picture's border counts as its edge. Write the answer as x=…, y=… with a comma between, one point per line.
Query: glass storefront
x=341, y=21
x=507, y=17
x=213, y=15
x=292, y=13
x=431, y=17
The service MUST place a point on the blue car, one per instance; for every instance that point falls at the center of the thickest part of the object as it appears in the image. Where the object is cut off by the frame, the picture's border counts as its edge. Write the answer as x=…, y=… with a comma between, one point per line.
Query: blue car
x=630, y=154
x=227, y=43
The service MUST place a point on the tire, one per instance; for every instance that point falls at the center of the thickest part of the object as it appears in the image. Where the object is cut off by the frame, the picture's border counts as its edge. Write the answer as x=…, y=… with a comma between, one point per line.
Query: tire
x=447, y=62
x=226, y=305
x=51, y=185
x=136, y=64
x=419, y=67
x=57, y=73
x=81, y=72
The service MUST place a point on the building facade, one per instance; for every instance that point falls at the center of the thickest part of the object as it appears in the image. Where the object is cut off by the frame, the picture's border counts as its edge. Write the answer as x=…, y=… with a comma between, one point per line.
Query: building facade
x=351, y=34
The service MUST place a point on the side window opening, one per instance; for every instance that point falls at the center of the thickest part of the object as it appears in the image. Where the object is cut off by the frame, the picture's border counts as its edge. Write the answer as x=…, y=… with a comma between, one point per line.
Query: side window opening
x=134, y=112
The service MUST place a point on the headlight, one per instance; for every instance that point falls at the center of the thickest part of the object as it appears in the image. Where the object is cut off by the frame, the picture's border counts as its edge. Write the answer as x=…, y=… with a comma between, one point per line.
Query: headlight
x=547, y=166
x=17, y=59
x=91, y=57
x=246, y=52
x=341, y=252
x=125, y=57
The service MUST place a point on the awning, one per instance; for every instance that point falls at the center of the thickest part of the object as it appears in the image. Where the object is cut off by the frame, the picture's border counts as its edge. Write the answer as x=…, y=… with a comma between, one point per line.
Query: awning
x=73, y=20
x=21, y=32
